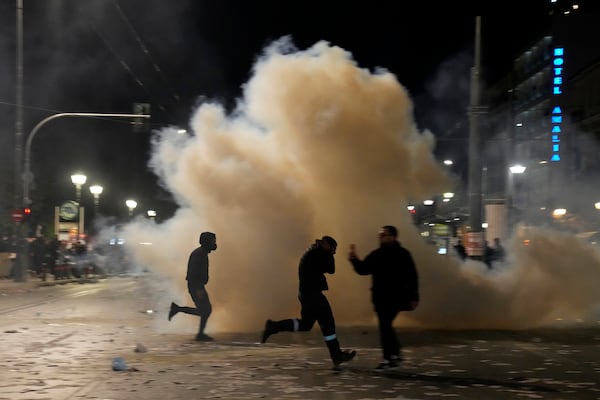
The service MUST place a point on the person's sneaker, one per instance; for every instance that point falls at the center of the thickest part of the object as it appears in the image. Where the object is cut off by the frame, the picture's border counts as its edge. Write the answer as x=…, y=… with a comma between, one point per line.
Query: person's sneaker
x=203, y=337
x=174, y=310
x=269, y=330
x=387, y=364
x=344, y=356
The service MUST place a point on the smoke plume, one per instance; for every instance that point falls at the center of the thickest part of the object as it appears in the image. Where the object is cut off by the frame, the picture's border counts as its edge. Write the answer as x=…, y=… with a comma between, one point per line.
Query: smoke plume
x=319, y=146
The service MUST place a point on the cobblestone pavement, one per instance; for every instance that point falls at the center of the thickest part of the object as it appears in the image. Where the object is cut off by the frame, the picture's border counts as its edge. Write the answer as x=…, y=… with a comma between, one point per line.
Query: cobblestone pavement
x=58, y=342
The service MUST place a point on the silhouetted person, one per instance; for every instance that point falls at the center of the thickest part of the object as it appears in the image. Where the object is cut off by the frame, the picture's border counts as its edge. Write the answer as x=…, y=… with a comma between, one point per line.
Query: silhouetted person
x=197, y=278
x=499, y=252
x=38, y=250
x=314, y=264
x=395, y=288
x=460, y=250
x=488, y=254
x=52, y=253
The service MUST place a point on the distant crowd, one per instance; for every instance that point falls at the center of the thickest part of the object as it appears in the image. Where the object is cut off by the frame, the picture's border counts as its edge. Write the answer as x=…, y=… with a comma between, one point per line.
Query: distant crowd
x=42, y=257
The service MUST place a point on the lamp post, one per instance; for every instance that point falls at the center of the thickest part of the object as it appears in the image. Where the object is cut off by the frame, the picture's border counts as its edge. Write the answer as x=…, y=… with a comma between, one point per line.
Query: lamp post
x=131, y=205
x=513, y=170
x=78, y=180
x=558, y=215
x=474, y=242
x=96, y=191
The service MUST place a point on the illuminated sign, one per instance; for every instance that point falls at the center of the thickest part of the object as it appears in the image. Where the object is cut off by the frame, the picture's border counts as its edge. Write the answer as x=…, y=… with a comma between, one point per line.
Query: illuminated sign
x=556, y=116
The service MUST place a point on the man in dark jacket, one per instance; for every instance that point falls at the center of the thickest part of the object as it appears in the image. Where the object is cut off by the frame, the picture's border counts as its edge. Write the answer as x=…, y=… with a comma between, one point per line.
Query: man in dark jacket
x=395, y=287
x=314, y=264
x=197, y=278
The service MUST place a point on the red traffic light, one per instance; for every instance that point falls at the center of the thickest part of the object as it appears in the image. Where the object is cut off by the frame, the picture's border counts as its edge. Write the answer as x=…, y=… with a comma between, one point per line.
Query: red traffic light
x=27, y=211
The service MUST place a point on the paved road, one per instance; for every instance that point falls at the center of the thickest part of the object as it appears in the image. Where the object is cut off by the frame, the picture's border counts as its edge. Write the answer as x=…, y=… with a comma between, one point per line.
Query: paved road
x=58, y=343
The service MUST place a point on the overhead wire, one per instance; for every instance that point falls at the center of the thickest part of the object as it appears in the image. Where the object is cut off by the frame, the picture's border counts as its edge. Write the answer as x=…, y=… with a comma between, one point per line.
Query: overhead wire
x=145, y=50
x=120, y=59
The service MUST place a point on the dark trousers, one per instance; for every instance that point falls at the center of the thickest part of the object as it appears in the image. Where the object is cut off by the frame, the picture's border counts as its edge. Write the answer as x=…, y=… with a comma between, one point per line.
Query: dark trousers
x=314, y=308
x=202, y=301
x=387, y=335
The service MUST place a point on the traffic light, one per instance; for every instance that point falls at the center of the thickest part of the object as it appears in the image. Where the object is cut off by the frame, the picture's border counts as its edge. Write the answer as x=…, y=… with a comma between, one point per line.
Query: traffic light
x=26, y=213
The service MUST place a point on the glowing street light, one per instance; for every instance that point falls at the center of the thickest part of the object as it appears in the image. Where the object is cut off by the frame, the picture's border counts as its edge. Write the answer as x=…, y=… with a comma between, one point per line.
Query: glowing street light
x=96, y=191
x=151, y=214
x=78, y=180
x=517, y=169
x=131, y=205
x=559, y=212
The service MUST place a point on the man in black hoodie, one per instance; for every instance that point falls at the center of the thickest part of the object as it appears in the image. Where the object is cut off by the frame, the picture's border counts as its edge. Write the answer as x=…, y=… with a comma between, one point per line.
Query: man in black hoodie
x=197, y=278
x=395, y=287
x=314, y=264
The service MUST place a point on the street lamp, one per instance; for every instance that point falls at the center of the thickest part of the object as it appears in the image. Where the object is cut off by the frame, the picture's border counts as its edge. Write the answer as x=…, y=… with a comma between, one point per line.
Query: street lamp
x=559, y=212
x=96, y=191
x=516, y=169
x=78, y=180
x=131, y=205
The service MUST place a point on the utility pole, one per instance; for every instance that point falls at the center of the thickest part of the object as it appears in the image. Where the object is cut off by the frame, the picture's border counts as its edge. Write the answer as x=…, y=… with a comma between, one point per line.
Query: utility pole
x=20, y=270
x=475, y=240
x=19, y=108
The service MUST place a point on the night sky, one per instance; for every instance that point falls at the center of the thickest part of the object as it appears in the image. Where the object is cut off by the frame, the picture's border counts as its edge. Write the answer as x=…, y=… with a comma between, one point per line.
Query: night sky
x=105, y=55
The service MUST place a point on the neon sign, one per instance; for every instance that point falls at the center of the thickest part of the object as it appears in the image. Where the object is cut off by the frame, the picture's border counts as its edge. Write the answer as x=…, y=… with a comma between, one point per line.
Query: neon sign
x=556, y=116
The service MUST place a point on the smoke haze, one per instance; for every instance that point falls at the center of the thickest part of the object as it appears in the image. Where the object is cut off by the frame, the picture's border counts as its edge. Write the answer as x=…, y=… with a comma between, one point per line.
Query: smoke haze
x=319, y=146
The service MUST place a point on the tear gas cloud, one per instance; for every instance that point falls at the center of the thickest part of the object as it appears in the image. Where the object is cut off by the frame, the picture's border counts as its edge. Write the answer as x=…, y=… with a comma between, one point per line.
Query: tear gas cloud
x=320, y=146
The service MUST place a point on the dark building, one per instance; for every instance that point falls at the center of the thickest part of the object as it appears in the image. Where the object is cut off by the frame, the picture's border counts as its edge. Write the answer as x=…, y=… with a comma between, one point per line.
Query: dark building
x=545, y=115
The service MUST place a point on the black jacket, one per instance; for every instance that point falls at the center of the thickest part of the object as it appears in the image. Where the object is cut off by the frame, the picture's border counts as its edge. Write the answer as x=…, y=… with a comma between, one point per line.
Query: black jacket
x=197, y=269
x=394, y=276
x=314, y=264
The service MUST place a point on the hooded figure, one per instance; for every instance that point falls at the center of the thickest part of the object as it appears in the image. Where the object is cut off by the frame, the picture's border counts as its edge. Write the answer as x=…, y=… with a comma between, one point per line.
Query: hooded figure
x=314, y=307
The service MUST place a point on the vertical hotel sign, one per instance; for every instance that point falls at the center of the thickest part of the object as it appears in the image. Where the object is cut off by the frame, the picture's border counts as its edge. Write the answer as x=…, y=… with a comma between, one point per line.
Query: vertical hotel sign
x=558, y=62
